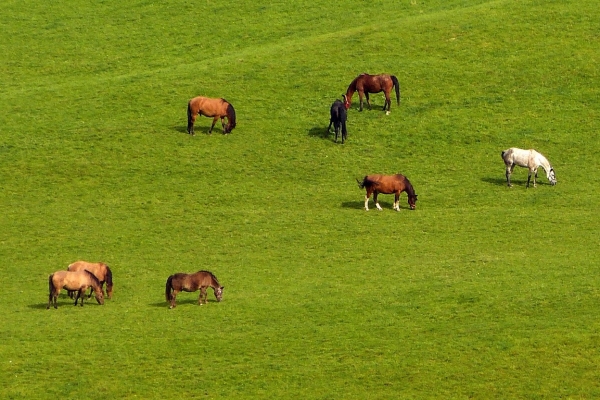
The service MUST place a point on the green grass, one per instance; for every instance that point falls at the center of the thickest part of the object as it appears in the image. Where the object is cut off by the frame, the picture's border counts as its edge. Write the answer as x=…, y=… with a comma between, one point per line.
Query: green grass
x=481, y=292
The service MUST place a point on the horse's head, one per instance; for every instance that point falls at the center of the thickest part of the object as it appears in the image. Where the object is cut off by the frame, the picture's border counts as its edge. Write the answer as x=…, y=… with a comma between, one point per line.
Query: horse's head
x=99, y=296
x=219, y=293
x=412, y=200
x=552, y=177
x=347, y=101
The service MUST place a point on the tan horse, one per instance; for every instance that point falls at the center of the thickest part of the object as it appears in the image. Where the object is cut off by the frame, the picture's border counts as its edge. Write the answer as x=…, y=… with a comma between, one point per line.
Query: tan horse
x=100, y=271
x=212, y=108
x=77, y=281
x=365, y=84
x=388, y=184
x=190, y=283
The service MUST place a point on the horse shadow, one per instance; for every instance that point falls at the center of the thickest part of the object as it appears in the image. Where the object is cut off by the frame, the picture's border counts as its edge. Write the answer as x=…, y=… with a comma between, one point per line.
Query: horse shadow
x=355, y=205
x=321, y=132
x=180, y=129
x=360, y=205
x=165, y=304
x=494, y=181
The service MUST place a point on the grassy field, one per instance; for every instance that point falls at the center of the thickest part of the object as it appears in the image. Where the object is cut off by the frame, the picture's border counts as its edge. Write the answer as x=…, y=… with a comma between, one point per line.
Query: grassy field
x=481, y=292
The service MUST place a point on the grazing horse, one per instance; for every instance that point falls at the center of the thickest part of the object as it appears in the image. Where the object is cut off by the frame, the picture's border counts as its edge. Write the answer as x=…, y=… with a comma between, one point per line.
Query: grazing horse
x=100, y=270
x=388, y=184
x=212, y=108
x=530, y=159
x=338, y=119
x=365, y=84
x=77, y=281
x=190, y=283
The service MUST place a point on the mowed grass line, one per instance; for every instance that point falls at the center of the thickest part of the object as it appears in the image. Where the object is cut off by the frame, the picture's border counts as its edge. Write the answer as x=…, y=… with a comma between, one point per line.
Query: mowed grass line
x=481, y=292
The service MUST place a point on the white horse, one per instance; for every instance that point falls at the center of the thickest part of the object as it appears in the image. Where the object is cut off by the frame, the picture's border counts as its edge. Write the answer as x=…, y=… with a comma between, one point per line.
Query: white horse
x=530, y=159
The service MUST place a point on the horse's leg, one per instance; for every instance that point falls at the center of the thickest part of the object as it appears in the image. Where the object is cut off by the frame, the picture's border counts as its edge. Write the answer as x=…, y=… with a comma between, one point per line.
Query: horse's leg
x=173, y=297
x=509, y=170
x=388, y=102
x=360, y=97
x=213, y=124
x=77, y=297
x=397, y=201
x=534, y=178
x=375, y=193
x=367, y=200
x=202, y=296
x=223, y=125
x=368, y=100
x=191, y=121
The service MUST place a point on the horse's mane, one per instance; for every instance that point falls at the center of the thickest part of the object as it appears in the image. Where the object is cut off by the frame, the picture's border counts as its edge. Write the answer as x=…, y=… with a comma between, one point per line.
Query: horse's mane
x=211, y=274
x=93, y=277
x=231, y=115
x=409, y=187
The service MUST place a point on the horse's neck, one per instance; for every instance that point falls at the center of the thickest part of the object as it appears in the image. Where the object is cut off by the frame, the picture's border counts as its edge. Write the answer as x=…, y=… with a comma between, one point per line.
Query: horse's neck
x=351, y=89
x=544, y=163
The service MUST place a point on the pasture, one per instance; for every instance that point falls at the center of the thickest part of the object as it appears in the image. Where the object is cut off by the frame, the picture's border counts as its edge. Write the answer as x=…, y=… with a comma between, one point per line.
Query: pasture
x=481, y=292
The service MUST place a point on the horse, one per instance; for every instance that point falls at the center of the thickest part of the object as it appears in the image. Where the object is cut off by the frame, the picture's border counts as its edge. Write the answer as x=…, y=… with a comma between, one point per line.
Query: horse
x=530, y=159
x=73, y=280
x=100, y=270
x=212, y=108
x=388, y=184
x=190, y=283
x=338, y=119
x=365, y=84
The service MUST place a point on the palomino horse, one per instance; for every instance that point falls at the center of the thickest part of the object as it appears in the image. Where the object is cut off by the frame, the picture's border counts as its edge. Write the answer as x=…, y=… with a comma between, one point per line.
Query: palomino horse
x=530, y=159
x=77, y=281
x=100, y=271
x=388, y=184
x=212, y=108
x=338, y=119
x=190, y=283
x=365, y=84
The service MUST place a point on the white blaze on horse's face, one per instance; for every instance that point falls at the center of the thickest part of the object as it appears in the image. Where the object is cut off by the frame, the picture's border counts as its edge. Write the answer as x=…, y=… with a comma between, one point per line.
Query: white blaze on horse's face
x=219, y=293
x=552, y=177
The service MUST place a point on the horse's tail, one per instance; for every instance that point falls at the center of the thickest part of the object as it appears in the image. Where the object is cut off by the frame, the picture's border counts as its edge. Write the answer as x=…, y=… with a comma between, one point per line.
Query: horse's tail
x=51, y=287
x=364, y=183
x=168, y=288
x=397, y=86
x=189, y=116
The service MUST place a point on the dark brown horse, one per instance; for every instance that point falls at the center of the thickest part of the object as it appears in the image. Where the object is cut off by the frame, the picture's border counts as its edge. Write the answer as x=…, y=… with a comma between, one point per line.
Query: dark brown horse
x=212, y=108
x=100, y=270
x=190, y=283
x=388, y=184
x=77, y=281
x=365, y=84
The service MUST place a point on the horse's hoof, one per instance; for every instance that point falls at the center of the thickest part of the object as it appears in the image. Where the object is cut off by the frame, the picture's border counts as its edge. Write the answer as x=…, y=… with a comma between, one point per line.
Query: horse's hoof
x=387, y=113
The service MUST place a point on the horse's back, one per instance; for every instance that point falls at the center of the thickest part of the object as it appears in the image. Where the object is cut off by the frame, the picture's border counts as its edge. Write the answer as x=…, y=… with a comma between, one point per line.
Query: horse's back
x=71, y=280
x=387, y=183
x=517, y=156
x=208, y=106
x=97, y=268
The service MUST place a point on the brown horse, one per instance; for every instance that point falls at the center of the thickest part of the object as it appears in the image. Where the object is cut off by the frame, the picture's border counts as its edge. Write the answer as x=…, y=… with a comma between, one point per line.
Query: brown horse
x=365, y=84
x=77, y=281
x=388, y=184
x=190, y=283
x=212, y=108
x=100, y=270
